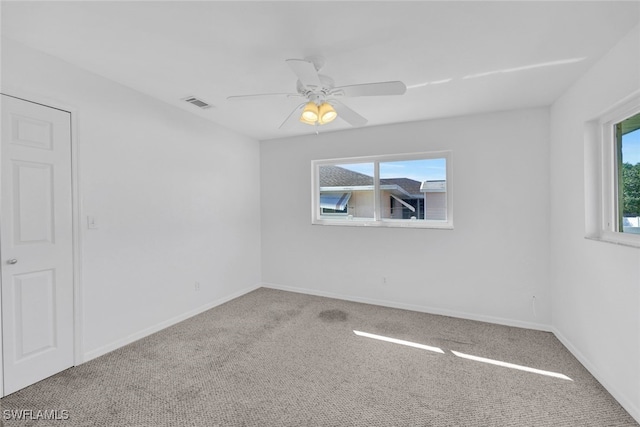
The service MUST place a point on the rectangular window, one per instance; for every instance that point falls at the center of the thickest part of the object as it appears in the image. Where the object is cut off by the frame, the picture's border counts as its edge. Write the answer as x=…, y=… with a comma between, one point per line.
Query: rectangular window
x=627, y=141
x=616, y=138
x=410, y=190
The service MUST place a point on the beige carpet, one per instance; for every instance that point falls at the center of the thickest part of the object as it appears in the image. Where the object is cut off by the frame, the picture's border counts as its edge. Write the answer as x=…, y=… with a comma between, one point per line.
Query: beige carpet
x=273, y=358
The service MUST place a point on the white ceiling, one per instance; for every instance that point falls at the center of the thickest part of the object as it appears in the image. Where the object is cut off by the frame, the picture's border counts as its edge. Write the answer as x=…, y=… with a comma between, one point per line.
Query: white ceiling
x=455, y=57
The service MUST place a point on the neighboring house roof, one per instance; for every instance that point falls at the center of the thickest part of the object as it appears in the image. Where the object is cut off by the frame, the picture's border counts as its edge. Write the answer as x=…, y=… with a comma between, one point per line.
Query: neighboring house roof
x=409, y=185
x=335, y=176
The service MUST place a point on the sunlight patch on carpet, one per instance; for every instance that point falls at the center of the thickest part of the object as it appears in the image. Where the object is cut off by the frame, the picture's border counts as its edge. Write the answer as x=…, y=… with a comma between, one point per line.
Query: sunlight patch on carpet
x=511, y=365
x=397, y=341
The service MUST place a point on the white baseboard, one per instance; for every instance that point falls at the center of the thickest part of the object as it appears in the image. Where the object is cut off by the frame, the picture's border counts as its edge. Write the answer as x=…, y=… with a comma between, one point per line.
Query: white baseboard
x=162, y=325
x=413, y=307
x=631, y=407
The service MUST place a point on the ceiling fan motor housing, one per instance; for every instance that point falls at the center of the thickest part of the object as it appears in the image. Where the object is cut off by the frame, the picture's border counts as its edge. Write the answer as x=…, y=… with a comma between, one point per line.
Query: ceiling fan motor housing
x=317, y=94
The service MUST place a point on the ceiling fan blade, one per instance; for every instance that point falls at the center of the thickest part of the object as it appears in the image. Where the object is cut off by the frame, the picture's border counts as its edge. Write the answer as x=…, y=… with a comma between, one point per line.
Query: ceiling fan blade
x=261, y=96
x=306, y=72
x=347, y=114
x=372, y=89
x=293, y=116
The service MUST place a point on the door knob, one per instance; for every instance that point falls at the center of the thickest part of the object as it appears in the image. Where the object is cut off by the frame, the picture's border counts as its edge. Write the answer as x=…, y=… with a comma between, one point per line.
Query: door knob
x=12, y=261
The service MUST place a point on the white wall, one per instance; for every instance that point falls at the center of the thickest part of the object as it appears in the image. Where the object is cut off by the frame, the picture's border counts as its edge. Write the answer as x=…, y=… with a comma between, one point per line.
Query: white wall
x=489, y=267
x=596, y=285
x=175, y=197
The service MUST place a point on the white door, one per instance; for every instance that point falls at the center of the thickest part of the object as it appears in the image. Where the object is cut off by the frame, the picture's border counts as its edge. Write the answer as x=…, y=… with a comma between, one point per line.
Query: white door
x=35, y=242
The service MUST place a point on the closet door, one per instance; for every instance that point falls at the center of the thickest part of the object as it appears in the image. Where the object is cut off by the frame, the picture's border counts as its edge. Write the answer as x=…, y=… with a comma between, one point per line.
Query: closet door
x=35, y=242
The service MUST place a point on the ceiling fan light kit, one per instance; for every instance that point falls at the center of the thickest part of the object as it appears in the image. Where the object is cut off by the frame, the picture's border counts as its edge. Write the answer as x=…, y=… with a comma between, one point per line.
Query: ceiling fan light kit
x=323, y=105
x=327, y=113
x=309, y=113
x=313, y=114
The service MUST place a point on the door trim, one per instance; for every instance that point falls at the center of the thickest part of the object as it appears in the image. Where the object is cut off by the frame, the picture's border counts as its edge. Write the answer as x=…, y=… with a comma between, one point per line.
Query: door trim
x=76, y=224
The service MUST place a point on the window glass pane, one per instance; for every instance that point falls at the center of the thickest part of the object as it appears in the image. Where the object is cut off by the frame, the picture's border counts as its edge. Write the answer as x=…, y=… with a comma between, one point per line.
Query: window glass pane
x=414, y=189
x=346, y=191
x=628, y=139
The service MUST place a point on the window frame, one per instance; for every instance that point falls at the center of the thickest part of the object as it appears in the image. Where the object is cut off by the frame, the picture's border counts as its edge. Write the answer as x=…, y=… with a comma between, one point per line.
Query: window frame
x=377, y=221
x=609, y=197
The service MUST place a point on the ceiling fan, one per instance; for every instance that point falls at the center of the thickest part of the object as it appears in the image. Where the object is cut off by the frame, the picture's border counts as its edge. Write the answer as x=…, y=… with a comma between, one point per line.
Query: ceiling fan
x=322, y=98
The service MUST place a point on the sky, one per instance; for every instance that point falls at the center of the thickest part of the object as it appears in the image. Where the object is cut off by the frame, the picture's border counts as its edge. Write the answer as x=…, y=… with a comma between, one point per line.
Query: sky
x=631, y=147
x=418, y=170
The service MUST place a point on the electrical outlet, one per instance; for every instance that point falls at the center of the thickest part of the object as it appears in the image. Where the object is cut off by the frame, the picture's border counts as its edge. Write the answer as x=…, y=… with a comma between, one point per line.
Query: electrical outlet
x=196, y=286
x=384, y=280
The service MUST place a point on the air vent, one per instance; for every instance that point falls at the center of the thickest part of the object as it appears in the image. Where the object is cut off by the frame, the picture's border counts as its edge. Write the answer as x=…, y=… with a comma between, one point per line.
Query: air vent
x=198, y=102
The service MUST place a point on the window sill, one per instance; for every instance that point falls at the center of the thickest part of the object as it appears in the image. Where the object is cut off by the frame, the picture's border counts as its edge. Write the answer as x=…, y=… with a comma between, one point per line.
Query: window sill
x=442, y=225
x=632, y=241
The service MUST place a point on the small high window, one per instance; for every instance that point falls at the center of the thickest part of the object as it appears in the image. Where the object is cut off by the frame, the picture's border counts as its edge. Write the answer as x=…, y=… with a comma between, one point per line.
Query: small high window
x=410, y=190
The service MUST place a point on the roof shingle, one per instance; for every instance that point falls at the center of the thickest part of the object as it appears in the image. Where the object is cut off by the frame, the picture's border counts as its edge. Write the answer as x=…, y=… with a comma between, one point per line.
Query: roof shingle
x=335, y=176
